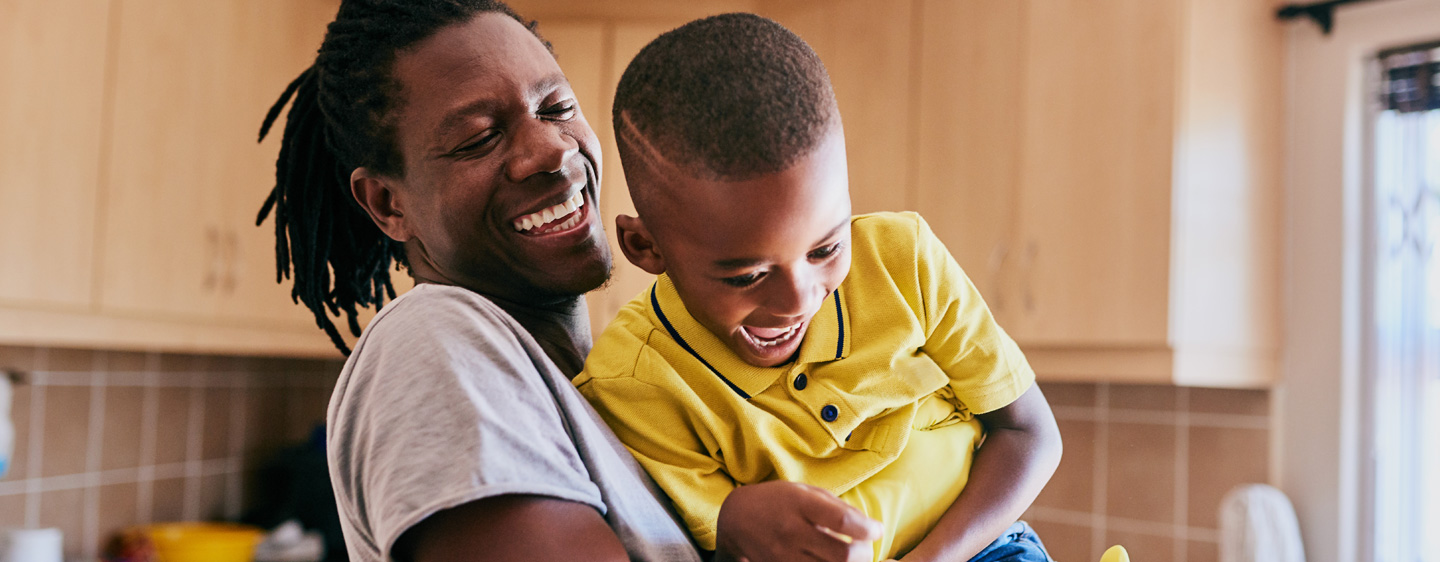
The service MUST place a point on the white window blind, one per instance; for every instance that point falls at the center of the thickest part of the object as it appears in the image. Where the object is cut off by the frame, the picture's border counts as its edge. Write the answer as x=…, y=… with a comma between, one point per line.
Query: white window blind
x=1404, y=433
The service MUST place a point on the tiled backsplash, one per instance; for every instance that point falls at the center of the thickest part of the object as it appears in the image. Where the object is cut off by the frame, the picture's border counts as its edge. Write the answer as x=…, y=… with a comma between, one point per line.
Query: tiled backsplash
x=1147, y=466
x=106, y=440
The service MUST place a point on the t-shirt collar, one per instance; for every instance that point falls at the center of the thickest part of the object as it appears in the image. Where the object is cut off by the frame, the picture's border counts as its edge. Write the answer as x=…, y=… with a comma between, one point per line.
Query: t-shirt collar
x=827, y=339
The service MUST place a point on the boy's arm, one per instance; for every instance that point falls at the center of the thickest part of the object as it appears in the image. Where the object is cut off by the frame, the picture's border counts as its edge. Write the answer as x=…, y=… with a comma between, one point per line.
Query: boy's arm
x=1021, y=450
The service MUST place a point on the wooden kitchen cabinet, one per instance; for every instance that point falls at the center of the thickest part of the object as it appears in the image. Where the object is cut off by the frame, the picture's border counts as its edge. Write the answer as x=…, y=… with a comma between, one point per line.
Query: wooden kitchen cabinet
x=52, y=59
x=192, y=84
x=1107, y=171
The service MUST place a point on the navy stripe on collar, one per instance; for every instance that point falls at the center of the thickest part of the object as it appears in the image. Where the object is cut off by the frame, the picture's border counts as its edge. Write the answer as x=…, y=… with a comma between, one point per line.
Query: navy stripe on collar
x=840, y=323
x=676, y=335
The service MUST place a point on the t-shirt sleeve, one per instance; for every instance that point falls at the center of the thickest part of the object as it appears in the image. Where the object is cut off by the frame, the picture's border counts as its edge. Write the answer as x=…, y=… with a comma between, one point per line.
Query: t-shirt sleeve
x=987, y=370
x=663, y=429
x=444, y=406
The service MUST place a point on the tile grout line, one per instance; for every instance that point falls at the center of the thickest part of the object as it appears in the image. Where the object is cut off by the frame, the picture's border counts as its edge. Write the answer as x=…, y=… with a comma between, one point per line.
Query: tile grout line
x=149, y=420
x=95, y=441
x=37, y=443
x=234, y=484
x=1182, y=474
x=193, y=451
x=1099, y=523
x=134, y=475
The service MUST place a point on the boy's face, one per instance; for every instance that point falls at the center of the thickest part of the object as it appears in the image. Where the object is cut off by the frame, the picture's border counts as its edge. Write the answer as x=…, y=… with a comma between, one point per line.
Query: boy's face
x=754, y=260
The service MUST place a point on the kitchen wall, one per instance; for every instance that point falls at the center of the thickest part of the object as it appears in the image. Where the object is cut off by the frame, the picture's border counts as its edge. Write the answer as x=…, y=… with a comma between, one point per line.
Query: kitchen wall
x=1146, y=467
x=107, y=440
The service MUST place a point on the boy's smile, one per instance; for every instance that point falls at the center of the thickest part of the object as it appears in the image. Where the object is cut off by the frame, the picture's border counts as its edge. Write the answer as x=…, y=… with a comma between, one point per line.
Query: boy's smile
x=753, y=260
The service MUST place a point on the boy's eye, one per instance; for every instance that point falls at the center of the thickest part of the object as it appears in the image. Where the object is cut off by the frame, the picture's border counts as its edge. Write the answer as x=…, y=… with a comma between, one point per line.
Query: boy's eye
x=822, y=253
x=745, y=280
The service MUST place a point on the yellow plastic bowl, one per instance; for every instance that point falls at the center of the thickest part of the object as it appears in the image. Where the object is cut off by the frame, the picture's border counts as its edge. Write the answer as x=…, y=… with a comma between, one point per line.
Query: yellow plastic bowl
x=203, y=542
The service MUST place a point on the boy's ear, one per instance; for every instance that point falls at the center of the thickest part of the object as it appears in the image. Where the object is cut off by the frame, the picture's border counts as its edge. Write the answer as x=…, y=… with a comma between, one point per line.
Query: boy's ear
x=637, y=244
x=378, y=196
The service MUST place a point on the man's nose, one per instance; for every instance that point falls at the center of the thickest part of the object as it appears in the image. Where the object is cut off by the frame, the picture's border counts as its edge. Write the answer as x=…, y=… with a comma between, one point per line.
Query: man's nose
x=540, y=147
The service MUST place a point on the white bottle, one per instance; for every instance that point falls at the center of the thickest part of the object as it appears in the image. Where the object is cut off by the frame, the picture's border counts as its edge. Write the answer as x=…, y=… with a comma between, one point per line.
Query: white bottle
x=7, y=427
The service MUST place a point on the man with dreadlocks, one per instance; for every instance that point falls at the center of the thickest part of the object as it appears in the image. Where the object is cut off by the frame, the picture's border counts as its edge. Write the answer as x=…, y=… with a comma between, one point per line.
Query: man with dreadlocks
x=441, y=134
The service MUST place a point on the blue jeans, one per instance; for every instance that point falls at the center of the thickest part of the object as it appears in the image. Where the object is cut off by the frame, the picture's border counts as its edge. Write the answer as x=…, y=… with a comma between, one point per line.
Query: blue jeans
x=1018, y=544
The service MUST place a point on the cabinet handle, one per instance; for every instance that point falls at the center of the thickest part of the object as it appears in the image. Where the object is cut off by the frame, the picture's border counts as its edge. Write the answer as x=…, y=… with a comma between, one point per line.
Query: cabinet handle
x=996, y=267
x=230, y=254
x=1032, y=254
x=212, y=249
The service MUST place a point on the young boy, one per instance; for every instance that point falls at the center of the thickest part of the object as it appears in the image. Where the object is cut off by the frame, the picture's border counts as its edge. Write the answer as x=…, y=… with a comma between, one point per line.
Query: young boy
x=787, y=340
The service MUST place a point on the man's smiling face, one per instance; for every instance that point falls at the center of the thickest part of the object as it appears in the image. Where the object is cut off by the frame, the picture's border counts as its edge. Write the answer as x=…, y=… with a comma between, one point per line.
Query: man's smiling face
x=501, y=170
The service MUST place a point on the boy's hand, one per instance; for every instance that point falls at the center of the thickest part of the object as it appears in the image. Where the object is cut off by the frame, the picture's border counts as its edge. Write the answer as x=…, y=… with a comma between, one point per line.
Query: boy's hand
x=786, y=521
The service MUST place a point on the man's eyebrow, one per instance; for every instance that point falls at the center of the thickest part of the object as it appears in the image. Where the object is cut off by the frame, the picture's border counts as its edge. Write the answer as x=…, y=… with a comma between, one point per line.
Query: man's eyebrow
x=460, y=115
x=737, y=263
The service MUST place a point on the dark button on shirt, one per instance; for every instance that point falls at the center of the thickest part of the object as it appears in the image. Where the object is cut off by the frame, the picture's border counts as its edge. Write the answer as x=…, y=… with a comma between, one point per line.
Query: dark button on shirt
x=800, y=382
x=829, y=413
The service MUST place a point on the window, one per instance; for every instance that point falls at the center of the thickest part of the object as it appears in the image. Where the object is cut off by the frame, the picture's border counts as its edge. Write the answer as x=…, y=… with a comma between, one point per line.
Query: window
x=1404, y=387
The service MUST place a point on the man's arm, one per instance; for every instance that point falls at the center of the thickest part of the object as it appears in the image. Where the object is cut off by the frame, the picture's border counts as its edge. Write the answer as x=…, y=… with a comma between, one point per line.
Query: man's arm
x=1020, y=453
x=512, y=528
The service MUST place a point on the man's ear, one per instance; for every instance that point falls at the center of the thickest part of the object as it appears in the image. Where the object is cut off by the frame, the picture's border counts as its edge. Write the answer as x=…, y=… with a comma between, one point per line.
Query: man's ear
x=637, y=244
x=377, y=195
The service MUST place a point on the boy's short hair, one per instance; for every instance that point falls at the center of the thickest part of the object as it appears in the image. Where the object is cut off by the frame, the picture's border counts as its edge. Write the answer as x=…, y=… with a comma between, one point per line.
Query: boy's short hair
x=729, y=98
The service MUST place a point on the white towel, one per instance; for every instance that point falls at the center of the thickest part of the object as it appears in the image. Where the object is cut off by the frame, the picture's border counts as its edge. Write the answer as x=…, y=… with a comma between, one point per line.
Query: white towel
x=1257, y=524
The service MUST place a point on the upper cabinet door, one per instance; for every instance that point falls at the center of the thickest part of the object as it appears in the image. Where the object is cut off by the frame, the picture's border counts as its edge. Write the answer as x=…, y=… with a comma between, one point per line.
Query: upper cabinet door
x=968, y=133
x=1091, y=253
x=164, y=247
x=265, y=45
x=52, y=59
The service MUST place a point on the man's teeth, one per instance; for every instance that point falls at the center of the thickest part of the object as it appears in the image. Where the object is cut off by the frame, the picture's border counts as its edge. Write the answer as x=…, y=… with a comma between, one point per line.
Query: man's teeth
x=545, y=217
x=771, y=337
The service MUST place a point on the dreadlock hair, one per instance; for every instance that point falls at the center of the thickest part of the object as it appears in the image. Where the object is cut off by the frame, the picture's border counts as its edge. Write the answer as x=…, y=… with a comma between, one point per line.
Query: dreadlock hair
x=729, y=98
x=340, y=120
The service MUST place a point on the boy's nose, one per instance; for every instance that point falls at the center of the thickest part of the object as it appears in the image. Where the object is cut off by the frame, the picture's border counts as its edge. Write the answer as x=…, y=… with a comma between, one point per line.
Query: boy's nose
x=796, y=296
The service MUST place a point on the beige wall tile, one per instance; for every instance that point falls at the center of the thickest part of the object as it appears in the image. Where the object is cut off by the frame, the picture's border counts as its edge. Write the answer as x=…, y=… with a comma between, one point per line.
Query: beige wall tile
x=127, y=361
x=1142, y=397
x=1203, y=551
x=168, y=500
x=212, y=497
x=265, y=420
x=20, y=414
x=118, y=511
x=1230, y=401
x=12, y=510
x=65, y=509
x=174, y=425
x=1142, y=548
x=1069, y=394
x=20, y=358
x=124, y=409
x=1220, y=459
x=307, y=410
x=182, y=363
x=216, y=441
x=67, y=430
x=1067, y=543
x=59, y=359
x=1073, y=485
x=1141, y=478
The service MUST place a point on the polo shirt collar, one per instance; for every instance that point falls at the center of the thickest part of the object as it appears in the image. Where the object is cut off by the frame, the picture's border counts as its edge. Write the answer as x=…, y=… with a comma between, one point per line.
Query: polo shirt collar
x=827, y=339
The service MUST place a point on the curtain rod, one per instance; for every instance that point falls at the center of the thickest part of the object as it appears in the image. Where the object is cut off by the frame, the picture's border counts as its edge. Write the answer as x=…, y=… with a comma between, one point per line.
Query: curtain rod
x=1322, y=13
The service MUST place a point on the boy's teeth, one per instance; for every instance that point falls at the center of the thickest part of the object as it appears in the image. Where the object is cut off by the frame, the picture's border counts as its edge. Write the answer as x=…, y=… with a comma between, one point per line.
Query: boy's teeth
x=546, y=216
x=769, y=337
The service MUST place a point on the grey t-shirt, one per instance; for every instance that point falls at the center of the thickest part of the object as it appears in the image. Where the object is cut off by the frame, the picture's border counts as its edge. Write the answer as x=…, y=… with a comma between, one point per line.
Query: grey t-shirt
x=446, y=400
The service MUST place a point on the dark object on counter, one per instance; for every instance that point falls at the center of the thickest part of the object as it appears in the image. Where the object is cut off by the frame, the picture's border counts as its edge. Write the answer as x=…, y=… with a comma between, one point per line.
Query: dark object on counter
x=295, y=484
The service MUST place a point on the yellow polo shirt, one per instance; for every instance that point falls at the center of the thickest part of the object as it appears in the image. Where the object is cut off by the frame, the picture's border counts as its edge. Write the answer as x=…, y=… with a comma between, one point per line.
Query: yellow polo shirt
x=877, y=407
